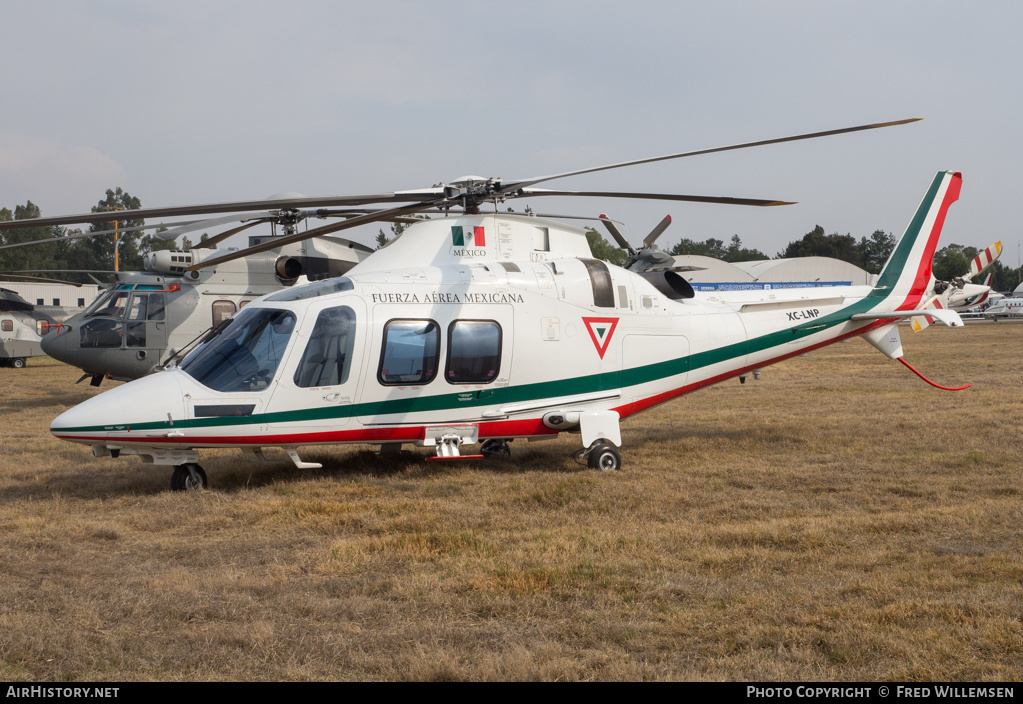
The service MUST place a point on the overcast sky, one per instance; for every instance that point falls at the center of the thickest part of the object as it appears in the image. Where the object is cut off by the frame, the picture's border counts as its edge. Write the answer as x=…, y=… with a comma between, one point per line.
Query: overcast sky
x=198, y=102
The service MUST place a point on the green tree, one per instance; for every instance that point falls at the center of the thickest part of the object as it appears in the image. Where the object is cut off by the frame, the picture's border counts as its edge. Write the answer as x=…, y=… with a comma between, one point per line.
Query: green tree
x=953, y=261
x=737, y=253
x=817, y=244
x=708, y=248
x=875, y=251
x=98, y=252
x=46, y=255
x=396, y=229
x=1003, y=278
x=604, y=250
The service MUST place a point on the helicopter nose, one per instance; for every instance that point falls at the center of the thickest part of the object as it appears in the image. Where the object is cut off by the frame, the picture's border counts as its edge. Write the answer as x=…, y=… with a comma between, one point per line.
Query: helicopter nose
x=55, y=343
x=139, y=408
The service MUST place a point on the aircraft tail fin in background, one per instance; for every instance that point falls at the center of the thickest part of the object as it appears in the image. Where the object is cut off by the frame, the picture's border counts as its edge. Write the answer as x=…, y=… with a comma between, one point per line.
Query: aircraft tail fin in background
x=906, y=277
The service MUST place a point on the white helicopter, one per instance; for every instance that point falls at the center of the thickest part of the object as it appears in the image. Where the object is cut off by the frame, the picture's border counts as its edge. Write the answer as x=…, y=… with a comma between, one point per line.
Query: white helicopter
x=22, y=326
x=147, y=318
x=491, y=327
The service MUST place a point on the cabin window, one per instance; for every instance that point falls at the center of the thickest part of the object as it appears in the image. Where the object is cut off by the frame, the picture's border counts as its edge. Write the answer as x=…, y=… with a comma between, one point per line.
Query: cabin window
x=474, y=352
x=328, y=356
x=410, y=352
x=245, y=354
x=600, y=280
x=7, y=325
x=157, y=303
x=222, y=310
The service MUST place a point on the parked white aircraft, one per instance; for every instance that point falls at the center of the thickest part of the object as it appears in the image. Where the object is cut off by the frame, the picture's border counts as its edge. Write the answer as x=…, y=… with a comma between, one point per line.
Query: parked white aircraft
x=1005, y=308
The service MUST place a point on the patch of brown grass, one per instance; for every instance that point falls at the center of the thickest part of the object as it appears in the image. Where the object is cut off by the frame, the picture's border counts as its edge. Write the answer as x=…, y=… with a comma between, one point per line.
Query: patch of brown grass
x=837, y=519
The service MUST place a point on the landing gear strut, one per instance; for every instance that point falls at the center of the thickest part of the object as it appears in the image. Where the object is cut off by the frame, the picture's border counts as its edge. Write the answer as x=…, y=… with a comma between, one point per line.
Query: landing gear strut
x=188, y=477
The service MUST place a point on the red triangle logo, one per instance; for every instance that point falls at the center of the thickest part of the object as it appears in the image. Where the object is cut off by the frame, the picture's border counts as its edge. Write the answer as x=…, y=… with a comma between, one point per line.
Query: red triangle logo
x=601, y=330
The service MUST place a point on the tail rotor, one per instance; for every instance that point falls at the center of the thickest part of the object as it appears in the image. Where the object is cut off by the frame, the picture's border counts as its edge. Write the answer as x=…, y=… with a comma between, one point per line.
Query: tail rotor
x=649, y=257
x=960, y=293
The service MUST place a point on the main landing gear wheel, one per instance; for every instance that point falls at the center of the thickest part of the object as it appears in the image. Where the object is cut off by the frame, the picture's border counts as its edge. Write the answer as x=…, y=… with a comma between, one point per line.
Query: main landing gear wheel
x=604, y=457
x=496, y=448
x=188, y=477
x=18, y=362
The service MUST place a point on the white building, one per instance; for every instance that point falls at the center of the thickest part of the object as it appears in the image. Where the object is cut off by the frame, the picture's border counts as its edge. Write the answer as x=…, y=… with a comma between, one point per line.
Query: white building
x=47, y=294
x=799, y=272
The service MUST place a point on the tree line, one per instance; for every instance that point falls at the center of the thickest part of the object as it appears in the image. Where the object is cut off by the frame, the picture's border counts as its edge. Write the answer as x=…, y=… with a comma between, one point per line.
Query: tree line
x=69, y=250
x=869, y=253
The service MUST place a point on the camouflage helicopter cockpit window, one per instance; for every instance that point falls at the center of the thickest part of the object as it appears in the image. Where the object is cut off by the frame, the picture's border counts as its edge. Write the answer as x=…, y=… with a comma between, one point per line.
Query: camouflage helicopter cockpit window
x=328, y=356
x=245, y=354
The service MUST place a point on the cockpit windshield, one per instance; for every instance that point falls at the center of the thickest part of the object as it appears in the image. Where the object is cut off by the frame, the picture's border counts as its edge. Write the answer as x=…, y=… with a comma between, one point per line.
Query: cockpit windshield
x=245, y=354
x=106, y=302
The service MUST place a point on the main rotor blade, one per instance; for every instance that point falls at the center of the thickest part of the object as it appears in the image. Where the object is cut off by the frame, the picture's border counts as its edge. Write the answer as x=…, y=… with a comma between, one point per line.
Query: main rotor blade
x=655, y=196
x=515, y=185
x=193, y=225
x=42, y=279
x=80, y=235
x=211, y=242
x=276, y=242
x=213, y=208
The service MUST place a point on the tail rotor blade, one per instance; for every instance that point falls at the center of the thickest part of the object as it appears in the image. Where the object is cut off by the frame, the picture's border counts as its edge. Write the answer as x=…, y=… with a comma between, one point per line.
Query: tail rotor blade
x=656, y=232
x=616, y=234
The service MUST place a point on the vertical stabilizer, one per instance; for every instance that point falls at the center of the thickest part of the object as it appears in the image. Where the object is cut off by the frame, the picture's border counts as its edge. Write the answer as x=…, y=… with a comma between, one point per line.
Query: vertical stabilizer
x=906, y=277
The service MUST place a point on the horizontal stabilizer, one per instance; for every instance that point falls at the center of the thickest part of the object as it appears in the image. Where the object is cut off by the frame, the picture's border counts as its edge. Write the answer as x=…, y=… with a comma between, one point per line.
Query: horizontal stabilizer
x=948, y=317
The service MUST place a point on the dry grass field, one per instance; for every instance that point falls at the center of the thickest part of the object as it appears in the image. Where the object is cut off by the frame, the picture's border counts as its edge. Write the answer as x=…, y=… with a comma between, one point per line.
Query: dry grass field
x=837, y=520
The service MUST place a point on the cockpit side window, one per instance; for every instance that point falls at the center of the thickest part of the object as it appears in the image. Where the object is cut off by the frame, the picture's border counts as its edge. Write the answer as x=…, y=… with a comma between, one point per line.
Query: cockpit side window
x=137, y=311
x=98, y=302
x=246, y=354
x=157, y=303
x=112, y=307
x=410, y=352
x=328, y=356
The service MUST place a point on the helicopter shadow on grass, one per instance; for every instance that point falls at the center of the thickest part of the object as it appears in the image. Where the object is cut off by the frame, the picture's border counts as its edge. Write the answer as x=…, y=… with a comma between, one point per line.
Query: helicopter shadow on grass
x=88, y=479
x=234, y=474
